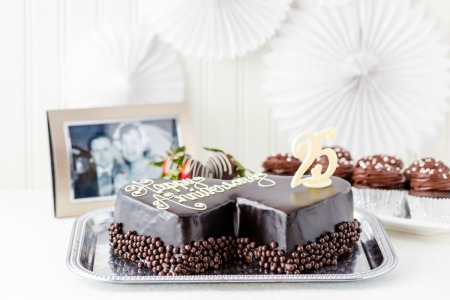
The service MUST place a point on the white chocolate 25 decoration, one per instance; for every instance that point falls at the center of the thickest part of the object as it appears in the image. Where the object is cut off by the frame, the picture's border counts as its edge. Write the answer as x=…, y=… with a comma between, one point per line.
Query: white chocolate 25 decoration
x=307, y=153
x=170, y=191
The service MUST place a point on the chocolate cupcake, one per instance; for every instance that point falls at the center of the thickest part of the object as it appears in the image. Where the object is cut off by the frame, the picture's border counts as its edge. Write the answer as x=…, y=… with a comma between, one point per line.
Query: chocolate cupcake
x=423, y=163
x=379, y=185
x=345, y=166
x=281, y=164
x=378, y=176
x=429, y=194
x=382, y=159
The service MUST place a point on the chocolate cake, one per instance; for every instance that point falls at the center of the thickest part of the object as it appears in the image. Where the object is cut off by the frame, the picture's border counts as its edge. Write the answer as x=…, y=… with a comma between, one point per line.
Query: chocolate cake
x=192, y=225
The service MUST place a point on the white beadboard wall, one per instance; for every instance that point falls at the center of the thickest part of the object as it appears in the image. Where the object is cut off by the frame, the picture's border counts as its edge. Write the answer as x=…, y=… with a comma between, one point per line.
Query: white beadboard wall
x=228, y=104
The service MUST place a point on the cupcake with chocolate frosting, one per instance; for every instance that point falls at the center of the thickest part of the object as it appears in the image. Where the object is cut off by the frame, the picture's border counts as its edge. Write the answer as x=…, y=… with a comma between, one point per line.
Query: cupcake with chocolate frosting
x=379, y=185
x=382, y=159
x=423, y=163
x=429, y=194
x=283, y=164
x=345, y=165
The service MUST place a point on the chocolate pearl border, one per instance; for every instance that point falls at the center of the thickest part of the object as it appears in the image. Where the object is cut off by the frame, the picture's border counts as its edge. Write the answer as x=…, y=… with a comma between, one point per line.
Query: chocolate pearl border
x=200, y=256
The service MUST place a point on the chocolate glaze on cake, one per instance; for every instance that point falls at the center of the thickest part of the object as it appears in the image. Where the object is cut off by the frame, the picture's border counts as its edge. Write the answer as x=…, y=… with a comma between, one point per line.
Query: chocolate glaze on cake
x=261, y=207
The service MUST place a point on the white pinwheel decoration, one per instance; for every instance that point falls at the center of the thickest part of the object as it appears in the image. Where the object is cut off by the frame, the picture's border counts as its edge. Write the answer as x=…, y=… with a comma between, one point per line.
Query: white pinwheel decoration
x=215, y=29
x=122, y=65
x=306, y=4
x=374, y=70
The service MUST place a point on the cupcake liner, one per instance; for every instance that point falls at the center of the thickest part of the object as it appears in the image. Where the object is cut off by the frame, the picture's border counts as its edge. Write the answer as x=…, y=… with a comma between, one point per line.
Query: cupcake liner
x=384, y=202
x=429, y=209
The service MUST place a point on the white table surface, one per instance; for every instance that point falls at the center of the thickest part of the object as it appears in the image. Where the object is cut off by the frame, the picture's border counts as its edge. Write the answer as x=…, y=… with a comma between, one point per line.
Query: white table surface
x=34, y=246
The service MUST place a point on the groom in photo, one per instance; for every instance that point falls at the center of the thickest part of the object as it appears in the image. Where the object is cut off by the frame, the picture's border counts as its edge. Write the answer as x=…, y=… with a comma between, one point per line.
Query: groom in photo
x=99, y=179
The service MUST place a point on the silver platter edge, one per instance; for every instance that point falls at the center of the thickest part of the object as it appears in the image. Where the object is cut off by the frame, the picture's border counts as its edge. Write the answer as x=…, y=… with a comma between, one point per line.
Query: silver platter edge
x=89, y=256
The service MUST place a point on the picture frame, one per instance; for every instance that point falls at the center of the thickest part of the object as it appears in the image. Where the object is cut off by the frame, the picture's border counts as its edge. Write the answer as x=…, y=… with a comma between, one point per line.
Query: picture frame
x=119, y=142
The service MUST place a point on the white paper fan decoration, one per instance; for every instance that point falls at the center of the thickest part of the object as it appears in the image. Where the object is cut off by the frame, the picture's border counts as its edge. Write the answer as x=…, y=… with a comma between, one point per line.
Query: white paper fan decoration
x=122, y=65
x=374, y=70
x=307, y=4
x=215, y=29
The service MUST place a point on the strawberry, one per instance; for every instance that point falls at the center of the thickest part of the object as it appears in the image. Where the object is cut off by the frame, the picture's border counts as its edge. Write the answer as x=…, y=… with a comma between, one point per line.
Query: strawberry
x=184, y=172
x=164, y=166
x=171, y=164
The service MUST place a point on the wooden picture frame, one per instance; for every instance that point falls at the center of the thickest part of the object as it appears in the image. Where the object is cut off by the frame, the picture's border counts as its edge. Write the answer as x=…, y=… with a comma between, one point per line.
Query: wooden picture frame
x=84, y=141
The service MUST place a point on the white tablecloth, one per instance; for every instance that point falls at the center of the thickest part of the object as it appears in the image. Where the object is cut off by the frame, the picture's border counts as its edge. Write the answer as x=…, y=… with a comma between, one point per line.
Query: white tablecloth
x=34, y=246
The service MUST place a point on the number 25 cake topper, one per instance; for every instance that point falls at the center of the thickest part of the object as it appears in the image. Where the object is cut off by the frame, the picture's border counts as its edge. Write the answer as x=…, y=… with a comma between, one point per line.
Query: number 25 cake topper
x=308, y=152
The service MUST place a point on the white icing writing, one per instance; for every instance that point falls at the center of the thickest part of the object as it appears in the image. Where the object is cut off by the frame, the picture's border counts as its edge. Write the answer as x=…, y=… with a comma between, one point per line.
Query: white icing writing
x=194, y=189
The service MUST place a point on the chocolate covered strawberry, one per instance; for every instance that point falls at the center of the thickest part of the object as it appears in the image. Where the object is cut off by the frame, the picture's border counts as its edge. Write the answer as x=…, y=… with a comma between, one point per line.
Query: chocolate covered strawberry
x=223, y=165
x=193, y=168
x=179, y=165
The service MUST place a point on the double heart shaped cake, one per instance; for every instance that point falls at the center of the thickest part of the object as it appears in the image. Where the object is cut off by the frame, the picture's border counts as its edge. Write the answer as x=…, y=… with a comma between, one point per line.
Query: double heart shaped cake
x=190, y=226
x=286, y=225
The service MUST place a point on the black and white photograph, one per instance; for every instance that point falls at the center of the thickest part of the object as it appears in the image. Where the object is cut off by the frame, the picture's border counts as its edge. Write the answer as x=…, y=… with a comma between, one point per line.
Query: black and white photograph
x=106, y=156
x=96, y=151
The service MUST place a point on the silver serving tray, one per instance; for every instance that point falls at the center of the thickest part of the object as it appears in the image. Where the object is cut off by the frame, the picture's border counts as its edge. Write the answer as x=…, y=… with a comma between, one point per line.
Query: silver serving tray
x=89, y=256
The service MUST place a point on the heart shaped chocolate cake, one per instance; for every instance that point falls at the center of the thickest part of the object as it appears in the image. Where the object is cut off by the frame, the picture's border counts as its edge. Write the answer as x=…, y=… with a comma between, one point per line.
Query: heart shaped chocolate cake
x=189, y=226
x=158, y=223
